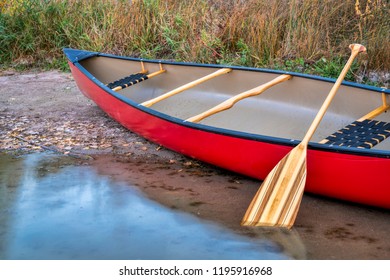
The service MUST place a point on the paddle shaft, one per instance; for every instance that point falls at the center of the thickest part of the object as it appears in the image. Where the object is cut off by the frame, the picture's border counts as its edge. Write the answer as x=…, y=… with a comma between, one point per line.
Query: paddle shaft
x=277, y=201
x=356, y=49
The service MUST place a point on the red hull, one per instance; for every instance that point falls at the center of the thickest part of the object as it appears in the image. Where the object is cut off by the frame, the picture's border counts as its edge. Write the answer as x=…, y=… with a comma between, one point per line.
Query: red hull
x=351, y=177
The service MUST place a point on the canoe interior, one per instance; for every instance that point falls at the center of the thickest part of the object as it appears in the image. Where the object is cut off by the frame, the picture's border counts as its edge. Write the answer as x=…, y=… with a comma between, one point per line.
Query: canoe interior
x=286, y=110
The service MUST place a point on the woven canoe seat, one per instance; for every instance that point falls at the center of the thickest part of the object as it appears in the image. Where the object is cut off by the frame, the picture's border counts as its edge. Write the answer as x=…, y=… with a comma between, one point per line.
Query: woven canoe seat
x=360, y=134
x=128, y=81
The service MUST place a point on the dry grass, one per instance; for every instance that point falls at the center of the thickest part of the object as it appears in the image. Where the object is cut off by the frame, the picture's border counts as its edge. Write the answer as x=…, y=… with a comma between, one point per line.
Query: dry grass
x=263, y=33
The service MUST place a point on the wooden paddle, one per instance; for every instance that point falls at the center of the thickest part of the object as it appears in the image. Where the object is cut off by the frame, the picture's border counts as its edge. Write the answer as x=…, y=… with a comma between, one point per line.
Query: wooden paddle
x=277, y=201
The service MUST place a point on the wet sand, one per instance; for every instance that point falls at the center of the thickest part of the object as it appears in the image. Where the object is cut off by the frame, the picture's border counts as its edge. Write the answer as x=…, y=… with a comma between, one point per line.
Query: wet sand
x=45, y=111
x=324, y=229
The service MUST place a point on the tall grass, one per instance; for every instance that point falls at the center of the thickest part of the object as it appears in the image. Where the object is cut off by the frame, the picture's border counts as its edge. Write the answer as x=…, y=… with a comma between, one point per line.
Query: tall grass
x=297, y=34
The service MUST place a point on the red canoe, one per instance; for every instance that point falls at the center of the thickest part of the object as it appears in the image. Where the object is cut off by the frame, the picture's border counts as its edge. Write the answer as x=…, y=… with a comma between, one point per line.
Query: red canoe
x=188, y=108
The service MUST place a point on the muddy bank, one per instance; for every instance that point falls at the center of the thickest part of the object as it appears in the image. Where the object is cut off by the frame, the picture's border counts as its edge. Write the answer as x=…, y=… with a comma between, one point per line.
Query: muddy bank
x=324, y=229
x=46, y=111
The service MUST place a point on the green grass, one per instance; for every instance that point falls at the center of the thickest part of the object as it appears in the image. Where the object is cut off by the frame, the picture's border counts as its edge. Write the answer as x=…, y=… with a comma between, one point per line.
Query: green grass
x=309, y=36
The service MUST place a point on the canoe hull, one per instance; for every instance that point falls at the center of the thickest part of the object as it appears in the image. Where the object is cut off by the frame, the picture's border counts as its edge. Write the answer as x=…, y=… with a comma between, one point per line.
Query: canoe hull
x=352, y=177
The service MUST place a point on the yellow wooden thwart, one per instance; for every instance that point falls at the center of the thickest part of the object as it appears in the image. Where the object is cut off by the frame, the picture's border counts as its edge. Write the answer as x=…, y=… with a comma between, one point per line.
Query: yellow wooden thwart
x=378, y=110
x=185, y=87
x=233, y=100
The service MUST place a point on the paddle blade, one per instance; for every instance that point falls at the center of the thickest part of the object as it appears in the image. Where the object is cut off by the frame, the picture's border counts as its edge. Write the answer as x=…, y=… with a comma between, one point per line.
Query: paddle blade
x=277, y=201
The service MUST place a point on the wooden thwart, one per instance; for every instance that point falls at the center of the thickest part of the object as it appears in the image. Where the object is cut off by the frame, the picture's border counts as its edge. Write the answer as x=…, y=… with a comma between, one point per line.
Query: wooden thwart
x=377, y=111
x=186, y=86
x=277, y=201
x=233, y=100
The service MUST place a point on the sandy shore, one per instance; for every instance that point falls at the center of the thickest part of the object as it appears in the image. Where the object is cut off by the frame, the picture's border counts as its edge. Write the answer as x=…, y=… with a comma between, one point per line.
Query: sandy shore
x=45, y=111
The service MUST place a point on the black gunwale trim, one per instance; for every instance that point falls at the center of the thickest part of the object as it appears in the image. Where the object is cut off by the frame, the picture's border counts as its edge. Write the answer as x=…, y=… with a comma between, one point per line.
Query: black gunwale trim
x=79, y=55
x=82, y=55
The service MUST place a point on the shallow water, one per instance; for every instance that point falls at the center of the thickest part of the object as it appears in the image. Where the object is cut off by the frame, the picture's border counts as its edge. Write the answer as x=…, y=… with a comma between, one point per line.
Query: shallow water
x=53, y=207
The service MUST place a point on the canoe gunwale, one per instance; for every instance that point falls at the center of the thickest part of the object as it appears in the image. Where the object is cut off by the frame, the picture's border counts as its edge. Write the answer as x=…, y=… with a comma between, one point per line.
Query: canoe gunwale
x=76, y=56
x=80, y=55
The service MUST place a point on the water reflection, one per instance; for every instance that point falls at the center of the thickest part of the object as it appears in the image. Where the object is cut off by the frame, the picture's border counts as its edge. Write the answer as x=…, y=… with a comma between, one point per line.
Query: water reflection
x=51, y=209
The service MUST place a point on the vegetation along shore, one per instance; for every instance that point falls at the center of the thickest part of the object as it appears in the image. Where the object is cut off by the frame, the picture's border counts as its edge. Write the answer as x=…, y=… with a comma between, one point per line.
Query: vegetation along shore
x=310, y=36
